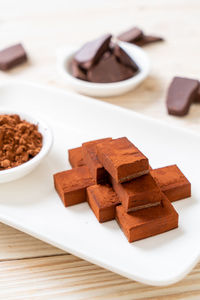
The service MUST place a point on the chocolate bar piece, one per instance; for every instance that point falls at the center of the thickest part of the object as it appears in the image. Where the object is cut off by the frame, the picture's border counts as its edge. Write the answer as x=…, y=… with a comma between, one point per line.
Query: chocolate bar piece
x=71, y=185
x=77, y=71
x=172, y=182
x=131, y=35
x=103, y=201
x=139, y=193
x=76, y=157
x=91, y=52
x=181, y=93
x=148, y=39
x=197, y=98
x=90, y=158
x=12, y=56
x=108, y=70
x=124, y=58
x=122, y=159
x=147, y=222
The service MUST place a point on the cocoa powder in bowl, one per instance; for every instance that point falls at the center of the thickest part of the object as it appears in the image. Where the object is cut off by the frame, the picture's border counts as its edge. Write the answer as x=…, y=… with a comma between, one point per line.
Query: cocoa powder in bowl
x=20, y=141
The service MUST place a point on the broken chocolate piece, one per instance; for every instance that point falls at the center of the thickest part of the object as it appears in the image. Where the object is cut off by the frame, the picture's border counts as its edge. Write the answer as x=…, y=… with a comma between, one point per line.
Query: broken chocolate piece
x=124, y=58
x=90, y=158
x=139, y=193
x=71, y=185
x=197, y=98
x=122, y=159
x=181, y=93
x=147, y=39
x=103, y=201
x=91, y=52
x=12, y=56
x=77, y=71
x=172, y=182
x=108, y=70
x=76, y=157
x=131, y=35
x=147, y=222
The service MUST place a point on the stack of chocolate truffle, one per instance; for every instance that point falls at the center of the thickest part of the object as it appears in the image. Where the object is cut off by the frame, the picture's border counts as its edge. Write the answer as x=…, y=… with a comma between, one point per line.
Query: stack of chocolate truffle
x=102, y=61
x=115, y=178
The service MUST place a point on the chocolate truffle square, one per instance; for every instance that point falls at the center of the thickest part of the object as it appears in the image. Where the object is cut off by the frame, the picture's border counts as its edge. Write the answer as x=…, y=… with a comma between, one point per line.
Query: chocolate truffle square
x=91, y=160
x=76, y=157
x=122, y=159
x=71, y=185
x=147, y=222
x=139, y=193
x=172, y=182
x=103, y=201
x=12, y=56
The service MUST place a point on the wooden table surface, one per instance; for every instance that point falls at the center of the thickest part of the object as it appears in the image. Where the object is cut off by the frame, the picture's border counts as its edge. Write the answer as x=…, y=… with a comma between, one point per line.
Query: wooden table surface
x=29, y=268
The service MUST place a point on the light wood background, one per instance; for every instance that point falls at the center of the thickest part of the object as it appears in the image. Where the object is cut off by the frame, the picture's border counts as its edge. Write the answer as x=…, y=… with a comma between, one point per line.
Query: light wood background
x=29, y=268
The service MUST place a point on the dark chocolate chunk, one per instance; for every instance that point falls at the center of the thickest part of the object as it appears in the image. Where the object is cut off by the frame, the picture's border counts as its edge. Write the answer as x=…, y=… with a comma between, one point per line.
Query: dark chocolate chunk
x=181, y=93
x=77, y=71
x=124, y=58
x=197, y=98
x=147, y=39
x=131, y=35
x=12, y=56
x=109, y=70
x=91, y=52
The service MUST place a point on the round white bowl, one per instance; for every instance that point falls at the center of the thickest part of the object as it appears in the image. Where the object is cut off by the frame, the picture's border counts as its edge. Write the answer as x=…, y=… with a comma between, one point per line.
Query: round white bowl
x=29, y=166
x=65, y=55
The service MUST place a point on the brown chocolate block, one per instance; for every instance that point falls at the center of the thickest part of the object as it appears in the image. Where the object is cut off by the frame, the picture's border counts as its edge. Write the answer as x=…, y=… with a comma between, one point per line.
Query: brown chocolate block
x=147, y=222
x=91, y=52
x=76, y=157
x=131, y=35
x=71, y=185
x=197, y=98
x=181, y=93
x=147, y=39
x=108, y=70
x=103, y=201
x=124, y=58
x=139, y=193
x=172, y=182
x=12, y=56
x=91, y=160
x=122, y=159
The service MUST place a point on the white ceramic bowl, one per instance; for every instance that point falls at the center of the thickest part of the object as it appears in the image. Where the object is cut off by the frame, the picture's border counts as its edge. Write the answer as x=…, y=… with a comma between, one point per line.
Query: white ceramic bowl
x=65, y=55
x=27, y=167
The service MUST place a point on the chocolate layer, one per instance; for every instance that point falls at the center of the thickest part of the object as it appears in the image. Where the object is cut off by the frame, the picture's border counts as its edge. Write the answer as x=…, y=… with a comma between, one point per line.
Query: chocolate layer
x=147, y=222
x=122, y=159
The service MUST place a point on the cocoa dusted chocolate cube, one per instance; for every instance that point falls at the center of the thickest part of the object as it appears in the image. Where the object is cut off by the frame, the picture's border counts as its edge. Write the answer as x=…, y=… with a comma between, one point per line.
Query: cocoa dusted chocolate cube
x=139, y=193
x=103, y=201
x=122, y=159
x=91, y=160
x=147, y=222
x=71, y=185
x=76, y=157
x=172, y=182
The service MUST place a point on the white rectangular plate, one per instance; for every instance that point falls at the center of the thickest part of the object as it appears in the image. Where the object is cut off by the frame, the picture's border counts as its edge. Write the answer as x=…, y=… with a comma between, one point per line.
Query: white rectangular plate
x=32, y=205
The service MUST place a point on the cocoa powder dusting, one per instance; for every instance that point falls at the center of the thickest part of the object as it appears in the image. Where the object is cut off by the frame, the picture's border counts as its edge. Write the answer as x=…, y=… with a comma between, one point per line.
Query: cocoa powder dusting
x=19, y=141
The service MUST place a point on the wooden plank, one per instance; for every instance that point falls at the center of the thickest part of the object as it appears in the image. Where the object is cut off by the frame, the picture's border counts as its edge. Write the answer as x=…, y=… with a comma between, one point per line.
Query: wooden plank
x=68, y=277
x=15, y=244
